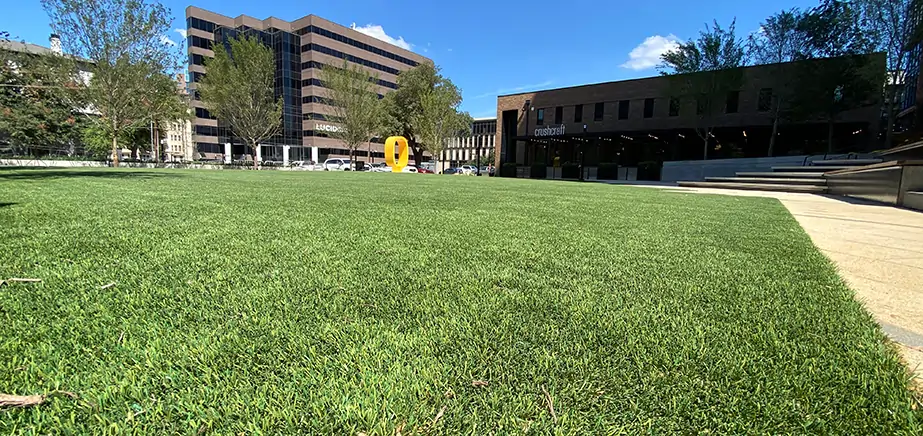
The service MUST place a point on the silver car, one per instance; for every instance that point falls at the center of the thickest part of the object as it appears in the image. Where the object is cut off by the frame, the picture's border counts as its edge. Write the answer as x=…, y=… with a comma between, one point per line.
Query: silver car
x=337, y=164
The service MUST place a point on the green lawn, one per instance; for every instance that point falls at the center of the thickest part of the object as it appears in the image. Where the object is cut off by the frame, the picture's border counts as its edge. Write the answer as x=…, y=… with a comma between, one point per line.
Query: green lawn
x=296, y=302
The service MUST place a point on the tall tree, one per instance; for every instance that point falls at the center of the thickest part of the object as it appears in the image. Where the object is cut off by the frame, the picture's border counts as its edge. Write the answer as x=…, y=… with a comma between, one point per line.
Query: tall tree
x=122, y=41
x=404, y=106
x=353, y=94
x=706, y=70
x=238, y=90
x=37, y=112
x=165, y=106
x=439, y=118
x=844, y=77
x=779, y=41
x=892, y=22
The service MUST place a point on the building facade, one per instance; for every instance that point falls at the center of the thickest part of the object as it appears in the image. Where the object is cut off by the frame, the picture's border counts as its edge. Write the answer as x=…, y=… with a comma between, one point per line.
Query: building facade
x=459, y=151
x=178, y=143
x=301, y=47
x=637, y=121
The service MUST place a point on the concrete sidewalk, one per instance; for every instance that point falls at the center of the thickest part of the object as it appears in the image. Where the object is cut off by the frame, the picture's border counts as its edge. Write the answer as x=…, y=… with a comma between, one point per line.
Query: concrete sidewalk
x=877, y=249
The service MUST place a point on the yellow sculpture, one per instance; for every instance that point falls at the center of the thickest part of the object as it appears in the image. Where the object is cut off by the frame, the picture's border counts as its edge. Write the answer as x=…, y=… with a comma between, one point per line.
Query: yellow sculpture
x=402, y=151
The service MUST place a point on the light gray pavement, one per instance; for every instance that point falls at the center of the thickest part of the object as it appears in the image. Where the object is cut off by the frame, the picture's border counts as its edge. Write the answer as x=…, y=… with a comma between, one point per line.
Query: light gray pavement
x=877, y=249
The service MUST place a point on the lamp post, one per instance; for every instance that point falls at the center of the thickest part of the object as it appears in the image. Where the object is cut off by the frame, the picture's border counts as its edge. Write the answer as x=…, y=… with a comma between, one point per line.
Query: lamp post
x=526, y=108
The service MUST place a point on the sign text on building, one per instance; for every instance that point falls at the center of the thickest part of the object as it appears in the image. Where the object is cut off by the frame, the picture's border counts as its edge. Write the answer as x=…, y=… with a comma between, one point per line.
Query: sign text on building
x=550, y=131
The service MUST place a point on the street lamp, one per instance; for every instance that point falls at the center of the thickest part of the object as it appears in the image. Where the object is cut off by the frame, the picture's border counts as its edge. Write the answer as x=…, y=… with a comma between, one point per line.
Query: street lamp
x=526, y=108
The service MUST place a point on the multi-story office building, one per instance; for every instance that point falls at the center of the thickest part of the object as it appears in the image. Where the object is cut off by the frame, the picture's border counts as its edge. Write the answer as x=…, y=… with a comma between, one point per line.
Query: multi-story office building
x=178, y=144
x=465, y=149
x=633, y=121
x=302, y=47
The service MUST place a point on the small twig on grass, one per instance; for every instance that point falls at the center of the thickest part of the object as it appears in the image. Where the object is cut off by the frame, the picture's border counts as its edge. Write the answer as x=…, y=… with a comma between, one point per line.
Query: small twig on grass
x=478, y=383
x=550, y=402
x=104, y=287
x=435, y=420
x=121, y=336
x=31, y=400
x=18, y=280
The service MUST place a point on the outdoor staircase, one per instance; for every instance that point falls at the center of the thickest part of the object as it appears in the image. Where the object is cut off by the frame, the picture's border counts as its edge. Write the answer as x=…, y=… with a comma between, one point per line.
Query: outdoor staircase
x=807, y=179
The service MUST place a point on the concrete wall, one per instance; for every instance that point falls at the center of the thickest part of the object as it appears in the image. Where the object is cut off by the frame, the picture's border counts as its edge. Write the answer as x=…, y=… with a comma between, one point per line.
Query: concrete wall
x=698, y=170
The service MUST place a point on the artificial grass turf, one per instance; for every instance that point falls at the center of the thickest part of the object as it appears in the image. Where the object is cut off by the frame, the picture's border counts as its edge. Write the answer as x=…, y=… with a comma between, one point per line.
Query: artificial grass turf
x=293, y=302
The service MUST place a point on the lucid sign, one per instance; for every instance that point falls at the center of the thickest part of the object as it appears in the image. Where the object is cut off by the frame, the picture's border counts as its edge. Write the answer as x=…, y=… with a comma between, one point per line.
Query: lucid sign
x=550, y=131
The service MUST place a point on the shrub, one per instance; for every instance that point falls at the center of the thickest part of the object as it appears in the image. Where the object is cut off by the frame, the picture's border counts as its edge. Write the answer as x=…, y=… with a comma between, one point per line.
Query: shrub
x=649, y=170
x=570, y=171
x=508, y=169
x=607, y=171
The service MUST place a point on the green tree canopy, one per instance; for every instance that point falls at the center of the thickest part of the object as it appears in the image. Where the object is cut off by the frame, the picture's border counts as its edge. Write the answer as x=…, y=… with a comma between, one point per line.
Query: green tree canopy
x=353, y=94
x=238, y=90
x=705, y=70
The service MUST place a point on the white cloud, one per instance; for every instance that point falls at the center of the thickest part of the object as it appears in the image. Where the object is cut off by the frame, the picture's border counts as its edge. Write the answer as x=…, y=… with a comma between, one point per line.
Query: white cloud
x=378, y=32
x=450, y=49
x=647, y=54
x=502, y=91
x=182, y=32
x=166, y=40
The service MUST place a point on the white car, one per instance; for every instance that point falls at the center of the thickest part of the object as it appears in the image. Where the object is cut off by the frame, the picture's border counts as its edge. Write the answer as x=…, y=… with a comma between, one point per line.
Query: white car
x=303, y=165
x=380, y=168
x=337, y=164
x=409, y=169
x=468, y=169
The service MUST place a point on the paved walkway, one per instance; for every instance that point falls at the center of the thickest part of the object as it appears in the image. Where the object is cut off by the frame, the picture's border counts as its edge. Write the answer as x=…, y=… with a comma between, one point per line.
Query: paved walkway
x=877, y=249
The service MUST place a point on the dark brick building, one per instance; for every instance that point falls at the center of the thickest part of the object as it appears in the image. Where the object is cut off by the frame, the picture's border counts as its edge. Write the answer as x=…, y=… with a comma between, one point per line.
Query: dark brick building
x=632, y=121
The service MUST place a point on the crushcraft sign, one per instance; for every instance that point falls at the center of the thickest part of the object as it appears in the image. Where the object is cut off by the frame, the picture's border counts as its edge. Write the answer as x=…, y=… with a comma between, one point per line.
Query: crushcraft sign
x=402, y=153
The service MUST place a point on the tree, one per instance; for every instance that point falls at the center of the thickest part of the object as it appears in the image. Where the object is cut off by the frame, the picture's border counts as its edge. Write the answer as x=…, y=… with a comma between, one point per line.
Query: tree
x=37, y=112
x=892, y=22
x=165, y=106
x=121, y=40
x=705, y=70
x=845, y=76
x=353, y=95
x=404, y=106
x=778, y=41
x=439, y=119
x=238, y=90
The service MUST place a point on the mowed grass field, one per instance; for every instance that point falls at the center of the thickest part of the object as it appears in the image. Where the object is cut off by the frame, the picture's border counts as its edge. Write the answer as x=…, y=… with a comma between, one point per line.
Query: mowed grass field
x=340, y=303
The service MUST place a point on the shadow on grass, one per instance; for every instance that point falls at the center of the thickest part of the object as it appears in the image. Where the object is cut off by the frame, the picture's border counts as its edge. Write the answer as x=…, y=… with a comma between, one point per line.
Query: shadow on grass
x=45, y=173
x=6, y=204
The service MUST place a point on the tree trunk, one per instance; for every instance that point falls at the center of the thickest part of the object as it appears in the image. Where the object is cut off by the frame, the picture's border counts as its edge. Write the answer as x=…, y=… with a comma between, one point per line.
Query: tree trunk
x=705, y=149
x=775, y=132
x=889, y=134
x=134, y=152
x=256, y=165
x=156, y=143
x=115, y=145
x=417, y=154
x=830, y=135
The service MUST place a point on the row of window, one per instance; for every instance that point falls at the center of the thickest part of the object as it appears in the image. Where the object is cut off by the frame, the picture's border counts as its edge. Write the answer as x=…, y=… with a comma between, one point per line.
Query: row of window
x=357, y=44
x=319, y=65
x=731, y=106
x=349, y=57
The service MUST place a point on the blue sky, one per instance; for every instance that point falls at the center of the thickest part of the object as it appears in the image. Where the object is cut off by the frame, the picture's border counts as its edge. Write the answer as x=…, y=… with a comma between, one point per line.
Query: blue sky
x=493, y=47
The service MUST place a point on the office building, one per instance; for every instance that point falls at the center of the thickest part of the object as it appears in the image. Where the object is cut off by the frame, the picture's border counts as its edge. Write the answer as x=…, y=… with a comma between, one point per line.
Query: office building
x=302, y=47
x=461, y=150
x=633, y=121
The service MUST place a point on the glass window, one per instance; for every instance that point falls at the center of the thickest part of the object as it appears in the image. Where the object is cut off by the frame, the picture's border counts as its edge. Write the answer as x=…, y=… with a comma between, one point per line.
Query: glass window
x=624, y=107
x=558, y=115
x=598, y=113
x=674, y=106
x=540, y=117
x=648, y=108
x=733, y=99
x=700, y=105
x=578, y=113
x=765, y=101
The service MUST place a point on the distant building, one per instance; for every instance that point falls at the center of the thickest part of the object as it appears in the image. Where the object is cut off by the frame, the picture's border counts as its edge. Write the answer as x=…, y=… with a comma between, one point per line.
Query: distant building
x=301, y=47
x=178, y=144
x=459, y=151
x=633, y=121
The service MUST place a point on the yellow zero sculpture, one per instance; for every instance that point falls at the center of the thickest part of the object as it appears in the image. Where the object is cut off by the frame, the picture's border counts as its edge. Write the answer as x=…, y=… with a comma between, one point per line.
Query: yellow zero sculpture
x=402, y=151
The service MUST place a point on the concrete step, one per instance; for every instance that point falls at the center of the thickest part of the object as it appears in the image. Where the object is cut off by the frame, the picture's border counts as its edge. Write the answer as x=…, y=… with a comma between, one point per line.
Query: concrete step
x=846, y=162
x=782, y=174
x=913, y=200
x=757, y=187
x=818, y=181
x=810, y=169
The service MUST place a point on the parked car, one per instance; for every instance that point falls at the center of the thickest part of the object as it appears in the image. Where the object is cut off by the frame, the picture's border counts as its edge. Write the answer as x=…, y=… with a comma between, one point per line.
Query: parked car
x=487, y=171
x=381, y=168
x=303, y=165
x=337, y=164
x=451, y=171
x=468, y=169
x=409, y=169
x=424, y=170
